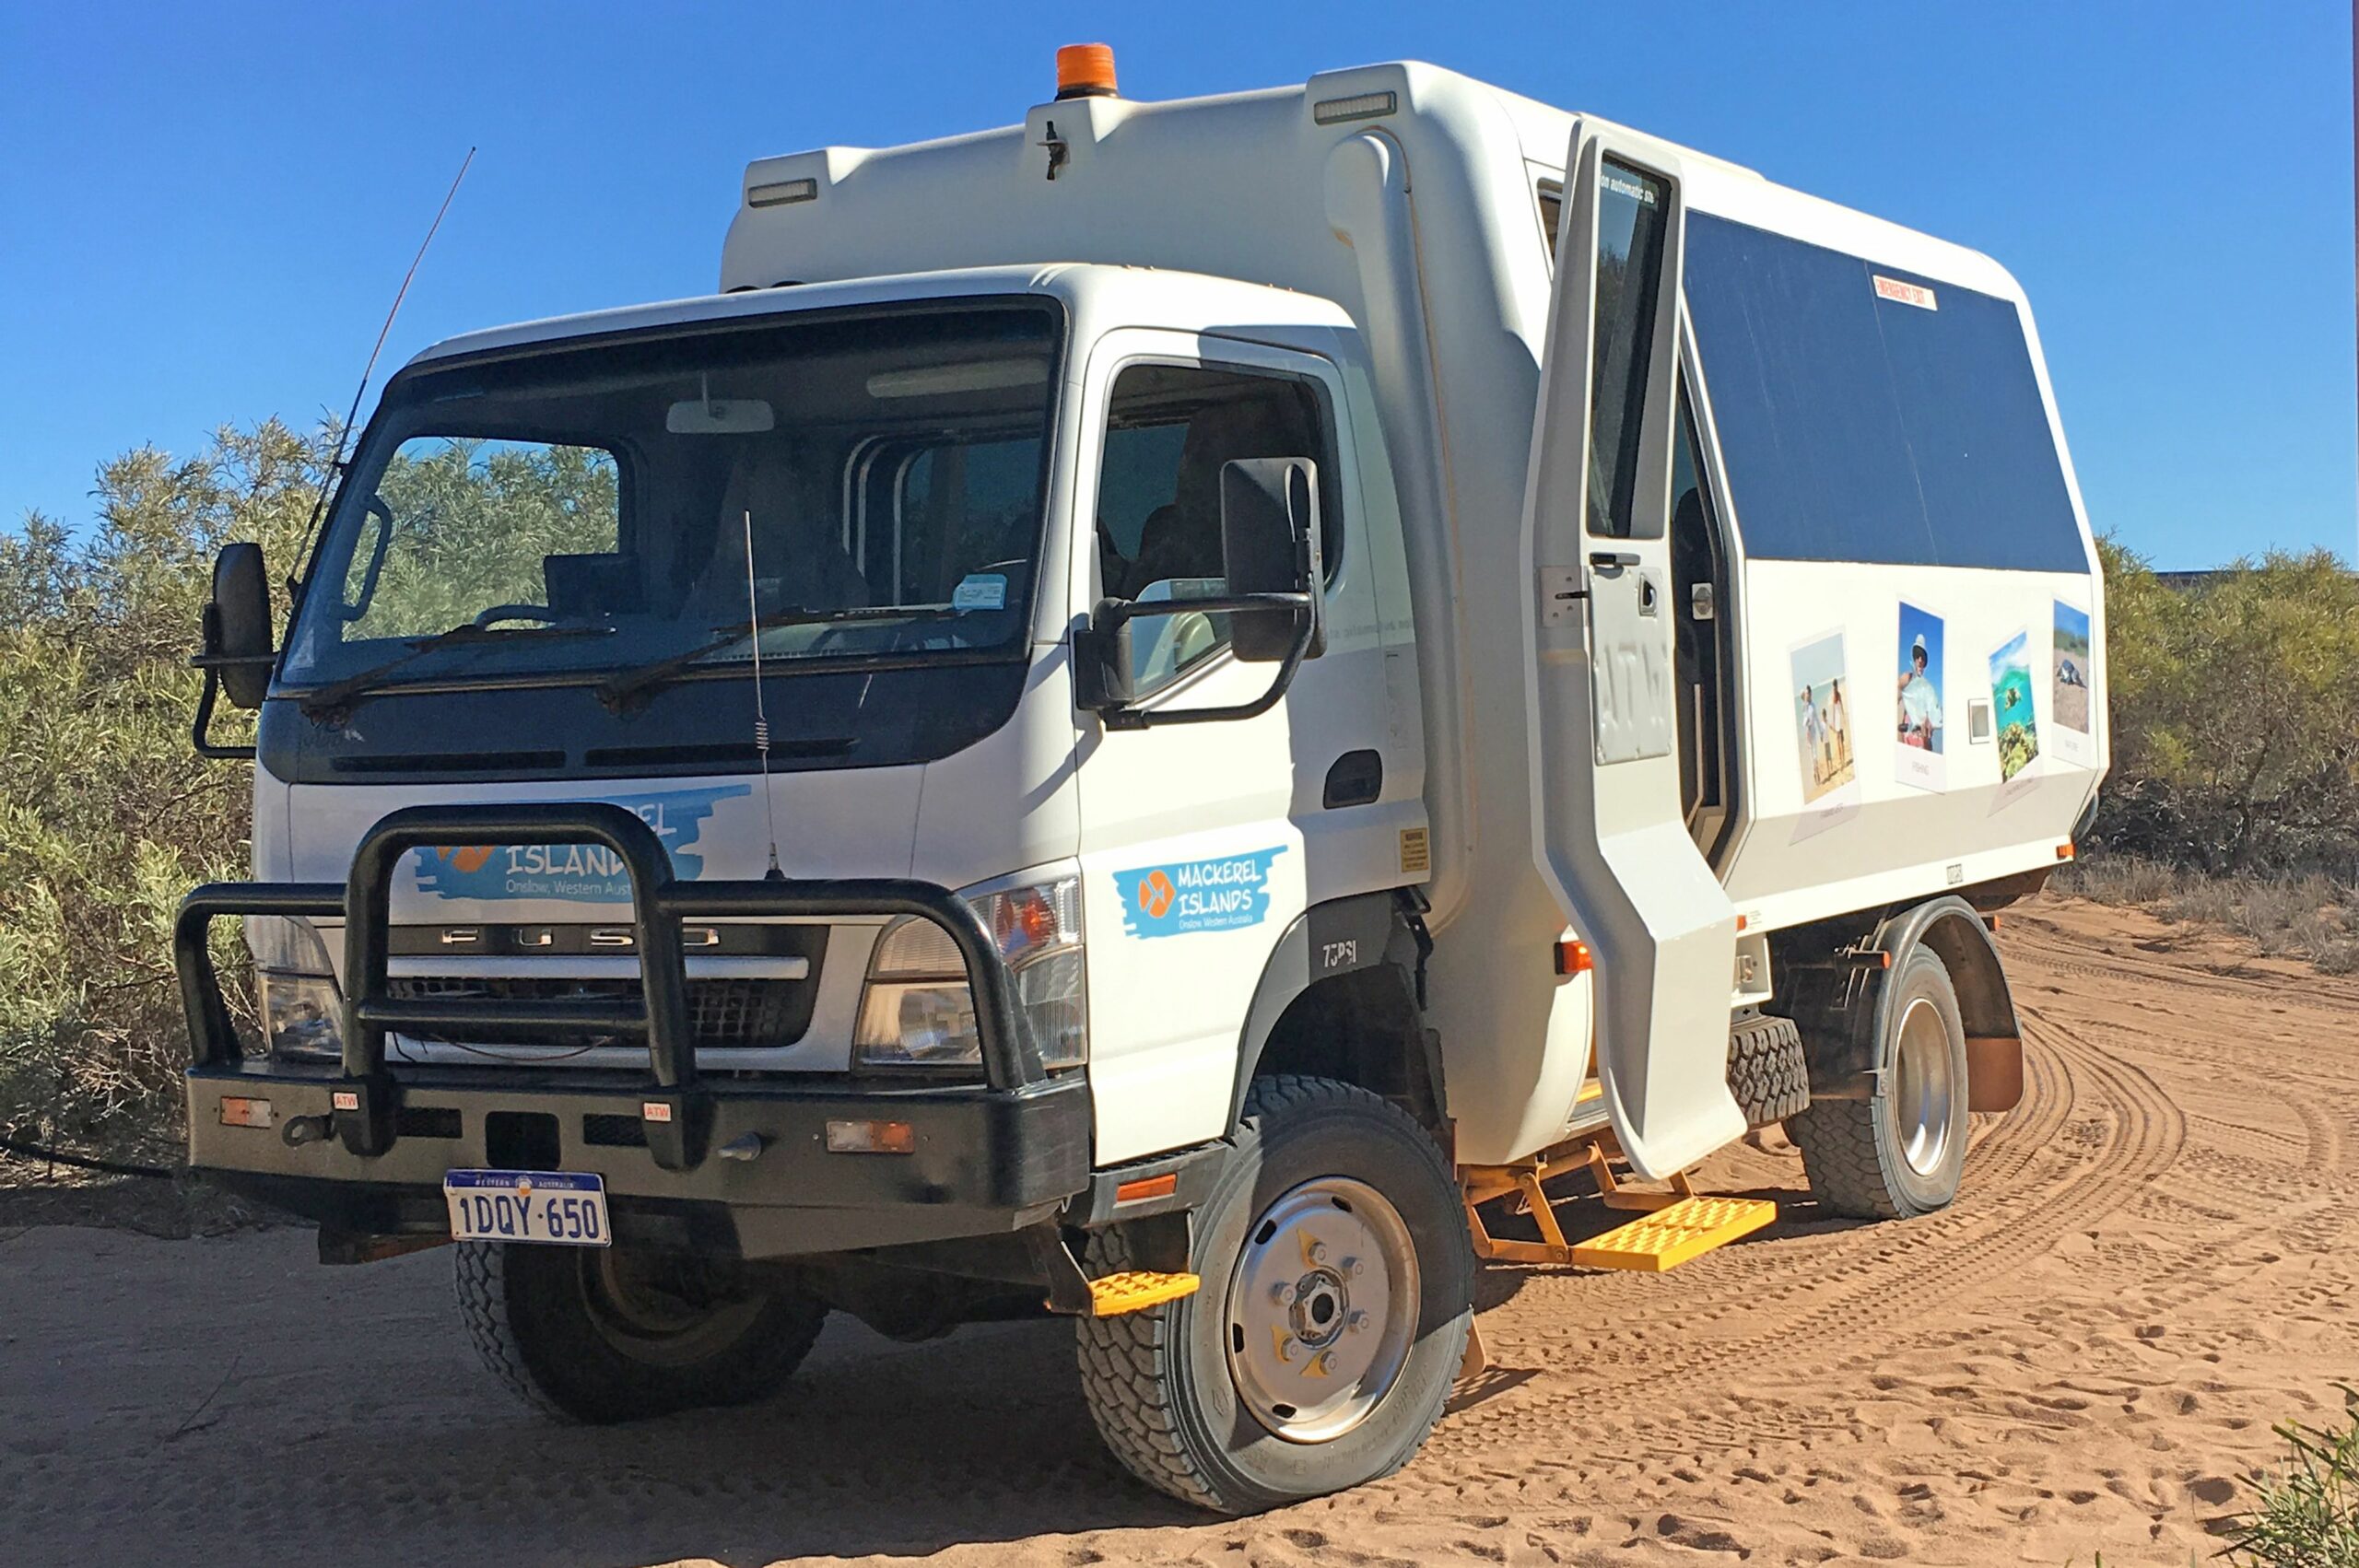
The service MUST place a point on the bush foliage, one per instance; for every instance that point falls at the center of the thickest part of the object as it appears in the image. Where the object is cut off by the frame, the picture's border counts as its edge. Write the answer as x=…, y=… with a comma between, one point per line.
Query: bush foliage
x=106, y=815
x=2308, y=1514
x=2234, y=709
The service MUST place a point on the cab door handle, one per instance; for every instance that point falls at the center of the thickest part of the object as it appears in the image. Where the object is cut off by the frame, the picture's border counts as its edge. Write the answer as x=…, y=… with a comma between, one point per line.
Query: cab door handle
x=1611, y=560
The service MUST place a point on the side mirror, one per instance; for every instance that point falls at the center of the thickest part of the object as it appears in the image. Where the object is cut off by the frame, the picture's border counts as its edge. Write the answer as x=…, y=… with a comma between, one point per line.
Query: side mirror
x=1272, y=578
x=237, y=625
x=1268, y=536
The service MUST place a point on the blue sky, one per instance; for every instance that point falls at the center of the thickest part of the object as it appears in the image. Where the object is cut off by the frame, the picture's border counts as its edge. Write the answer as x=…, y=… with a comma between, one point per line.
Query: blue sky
x=205, y=211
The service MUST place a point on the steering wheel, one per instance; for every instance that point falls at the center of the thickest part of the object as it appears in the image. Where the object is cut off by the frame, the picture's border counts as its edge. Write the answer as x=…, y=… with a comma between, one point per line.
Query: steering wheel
x=497, y=612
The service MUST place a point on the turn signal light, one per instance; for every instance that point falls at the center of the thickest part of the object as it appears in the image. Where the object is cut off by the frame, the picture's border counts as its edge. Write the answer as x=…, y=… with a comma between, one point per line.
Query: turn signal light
x=1085, y=70
x=2065, y=851
x=872, y=1138
x=1139, y=1189
x=1573, y=958
x=240, y=1112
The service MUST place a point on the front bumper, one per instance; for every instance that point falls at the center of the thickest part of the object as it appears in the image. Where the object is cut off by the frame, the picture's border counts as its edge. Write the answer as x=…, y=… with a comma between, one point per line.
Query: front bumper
x=982, y=1161
x=363, y=1150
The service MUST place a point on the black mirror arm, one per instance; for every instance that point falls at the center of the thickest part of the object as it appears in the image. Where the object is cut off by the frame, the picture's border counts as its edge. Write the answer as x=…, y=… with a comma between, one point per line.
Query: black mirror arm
x=200, y=730
x=1113, y=613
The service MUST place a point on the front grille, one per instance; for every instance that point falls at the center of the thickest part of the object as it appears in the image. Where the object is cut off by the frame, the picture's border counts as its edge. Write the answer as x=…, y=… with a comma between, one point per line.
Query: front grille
x=721, y=1013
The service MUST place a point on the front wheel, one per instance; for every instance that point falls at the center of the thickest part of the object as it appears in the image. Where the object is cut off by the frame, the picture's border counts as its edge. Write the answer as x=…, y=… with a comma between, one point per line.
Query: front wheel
x=1336, y=1299
x=618, y=1333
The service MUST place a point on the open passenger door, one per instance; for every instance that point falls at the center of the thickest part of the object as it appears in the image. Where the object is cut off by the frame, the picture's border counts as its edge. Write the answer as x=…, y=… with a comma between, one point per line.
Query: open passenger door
x=1608, y=831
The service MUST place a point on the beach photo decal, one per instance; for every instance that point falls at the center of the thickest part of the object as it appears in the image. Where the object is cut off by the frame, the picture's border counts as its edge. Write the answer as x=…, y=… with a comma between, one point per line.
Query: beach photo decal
x=1820, y=701
x=2010, y=707
x=2071, y=695
x=1917, y=759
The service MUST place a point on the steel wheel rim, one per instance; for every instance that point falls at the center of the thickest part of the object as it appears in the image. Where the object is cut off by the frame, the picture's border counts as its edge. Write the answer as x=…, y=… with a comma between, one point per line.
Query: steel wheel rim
x=655, y=1321
x=1925, y=1094
x=1322, y=1309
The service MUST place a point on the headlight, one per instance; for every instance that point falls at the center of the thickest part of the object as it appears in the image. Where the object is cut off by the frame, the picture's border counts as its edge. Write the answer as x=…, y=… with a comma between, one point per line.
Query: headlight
x=301, y=1008
x=918, y=1011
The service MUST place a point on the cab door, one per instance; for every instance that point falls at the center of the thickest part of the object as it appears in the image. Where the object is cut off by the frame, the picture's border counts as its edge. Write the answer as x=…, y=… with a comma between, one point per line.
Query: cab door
x=1608, y=829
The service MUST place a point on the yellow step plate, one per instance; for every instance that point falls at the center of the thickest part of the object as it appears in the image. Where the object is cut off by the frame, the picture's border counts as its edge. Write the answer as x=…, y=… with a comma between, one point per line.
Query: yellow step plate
x=1670, y=1236
x=1136, y=1290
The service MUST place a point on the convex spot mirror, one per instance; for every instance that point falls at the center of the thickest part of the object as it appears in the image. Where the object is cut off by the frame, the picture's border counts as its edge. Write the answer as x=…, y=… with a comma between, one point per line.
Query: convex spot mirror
x=1268, y=536
x=237, y=623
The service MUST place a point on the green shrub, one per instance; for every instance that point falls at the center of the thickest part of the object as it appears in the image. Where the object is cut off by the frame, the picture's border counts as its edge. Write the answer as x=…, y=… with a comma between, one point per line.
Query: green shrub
x=2234, y=709
x=2308, y=1515
x=106, y=816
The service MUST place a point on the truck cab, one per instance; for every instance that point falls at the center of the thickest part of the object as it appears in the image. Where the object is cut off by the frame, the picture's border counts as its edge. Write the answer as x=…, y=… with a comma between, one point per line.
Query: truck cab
x=1142, y=719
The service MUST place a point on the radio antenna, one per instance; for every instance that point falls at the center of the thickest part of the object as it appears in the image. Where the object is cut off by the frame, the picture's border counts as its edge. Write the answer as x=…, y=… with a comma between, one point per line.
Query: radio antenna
x=761, y=715
x=344, y=431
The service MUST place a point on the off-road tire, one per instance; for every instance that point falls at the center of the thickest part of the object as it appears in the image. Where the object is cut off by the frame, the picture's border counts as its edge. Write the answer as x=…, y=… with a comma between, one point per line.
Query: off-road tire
x=529, y=1311
x=1158, y=1382
x=1768, y=1073
x=1852, y=1150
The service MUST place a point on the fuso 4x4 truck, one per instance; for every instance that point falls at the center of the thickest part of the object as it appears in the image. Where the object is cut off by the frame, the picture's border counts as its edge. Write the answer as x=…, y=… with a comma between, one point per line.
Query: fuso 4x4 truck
x=1190, y=715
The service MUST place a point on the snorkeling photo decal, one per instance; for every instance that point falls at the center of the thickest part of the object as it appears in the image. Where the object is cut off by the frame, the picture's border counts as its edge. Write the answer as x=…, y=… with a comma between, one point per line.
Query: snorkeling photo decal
x=2010, y=707
x=1822, y=736
x=2071, y=693
x=1918, y=723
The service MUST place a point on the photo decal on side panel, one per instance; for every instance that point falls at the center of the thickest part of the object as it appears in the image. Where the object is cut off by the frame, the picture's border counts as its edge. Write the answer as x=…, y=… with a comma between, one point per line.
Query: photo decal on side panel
x=1919, y=758
x=2072, y=736
x=1823, y=734
x=1225, y=893
x=2014, y=715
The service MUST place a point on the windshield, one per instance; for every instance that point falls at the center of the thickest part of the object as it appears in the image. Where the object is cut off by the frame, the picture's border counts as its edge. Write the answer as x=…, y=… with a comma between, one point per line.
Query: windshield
x=869, y=487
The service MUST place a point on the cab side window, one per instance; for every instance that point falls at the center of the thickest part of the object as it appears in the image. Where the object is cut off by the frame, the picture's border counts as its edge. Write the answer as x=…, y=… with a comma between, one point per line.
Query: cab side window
x=1170, y=430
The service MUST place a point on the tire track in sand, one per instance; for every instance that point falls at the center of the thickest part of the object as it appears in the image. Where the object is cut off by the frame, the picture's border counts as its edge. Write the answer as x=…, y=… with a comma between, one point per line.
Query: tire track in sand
x=1847, y=1307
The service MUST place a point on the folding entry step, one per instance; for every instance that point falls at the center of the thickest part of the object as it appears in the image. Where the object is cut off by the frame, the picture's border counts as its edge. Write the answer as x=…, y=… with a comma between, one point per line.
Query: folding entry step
x=1678, y=1224
x=1136, y=1289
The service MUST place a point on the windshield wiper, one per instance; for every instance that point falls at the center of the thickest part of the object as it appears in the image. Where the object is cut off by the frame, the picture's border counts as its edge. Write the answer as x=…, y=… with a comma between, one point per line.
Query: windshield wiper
x=624, y=687
x=337, y=698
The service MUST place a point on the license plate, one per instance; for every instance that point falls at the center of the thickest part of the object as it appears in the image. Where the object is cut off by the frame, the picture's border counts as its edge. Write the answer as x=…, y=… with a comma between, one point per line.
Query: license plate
x=558, y=1208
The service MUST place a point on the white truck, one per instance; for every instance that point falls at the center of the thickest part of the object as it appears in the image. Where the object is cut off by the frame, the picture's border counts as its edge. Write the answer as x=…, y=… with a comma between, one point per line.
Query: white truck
x=1164, y=715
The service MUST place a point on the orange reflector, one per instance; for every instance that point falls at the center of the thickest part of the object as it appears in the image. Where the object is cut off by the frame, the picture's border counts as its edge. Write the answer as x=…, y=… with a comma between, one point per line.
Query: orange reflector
x=1145, y=1187
x=2063, y=852
x=872, y=1138
x=1573, y=958
x=240, y=1112
x=1085, y=70
x=1740, y=922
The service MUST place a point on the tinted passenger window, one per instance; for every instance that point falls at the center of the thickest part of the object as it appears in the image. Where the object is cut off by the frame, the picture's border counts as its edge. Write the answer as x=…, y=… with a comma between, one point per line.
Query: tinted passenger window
x=1866, y=413
x=1170, y=430
x=1630, y=217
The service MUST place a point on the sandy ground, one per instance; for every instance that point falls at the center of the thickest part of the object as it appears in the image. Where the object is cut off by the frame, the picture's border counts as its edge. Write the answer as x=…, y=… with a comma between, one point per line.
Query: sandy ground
x=2156, y=1256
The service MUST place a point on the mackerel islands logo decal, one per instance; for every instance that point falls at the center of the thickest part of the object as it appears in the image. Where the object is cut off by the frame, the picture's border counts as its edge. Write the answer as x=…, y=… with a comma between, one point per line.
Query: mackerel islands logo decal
x=588, y=873
x=1224, y=894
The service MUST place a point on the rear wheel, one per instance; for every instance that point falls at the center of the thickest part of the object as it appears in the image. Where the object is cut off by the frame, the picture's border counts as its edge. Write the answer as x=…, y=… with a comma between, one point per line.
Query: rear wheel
x=1901, y=1152
x=1331, y=1323
x=618, y=1333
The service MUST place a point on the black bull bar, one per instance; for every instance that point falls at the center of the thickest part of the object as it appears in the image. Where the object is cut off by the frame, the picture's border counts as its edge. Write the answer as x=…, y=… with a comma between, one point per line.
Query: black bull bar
x=674, y=1113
